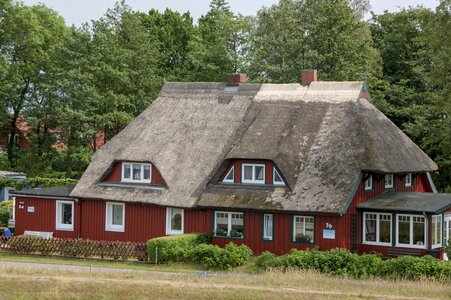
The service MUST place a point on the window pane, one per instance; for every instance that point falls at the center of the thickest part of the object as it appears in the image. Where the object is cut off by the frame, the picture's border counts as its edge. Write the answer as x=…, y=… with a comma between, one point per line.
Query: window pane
x=146, y=172
x=248, y=172
x=277, y=177
x=304, y=229
x=118, y=211
x=237, y=225
x=259, y=172
x=136, y=172
x=370, y=227
x=229, y=175
x=404, y=230
x=127, y=171
x=389, y=180
x=222, y=220
x=66, y=213
x=267, y=232
x=418, y=230
x=176, y=219
x=384, y=229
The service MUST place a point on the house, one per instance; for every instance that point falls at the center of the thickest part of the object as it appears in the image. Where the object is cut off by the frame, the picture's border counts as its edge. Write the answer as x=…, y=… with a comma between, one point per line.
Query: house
x=273, y=166
x=5, y=191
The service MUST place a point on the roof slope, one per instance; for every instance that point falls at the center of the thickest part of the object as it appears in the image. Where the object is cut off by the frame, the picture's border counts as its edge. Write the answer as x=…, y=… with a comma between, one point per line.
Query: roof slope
x=59, y=191
x=321, y=137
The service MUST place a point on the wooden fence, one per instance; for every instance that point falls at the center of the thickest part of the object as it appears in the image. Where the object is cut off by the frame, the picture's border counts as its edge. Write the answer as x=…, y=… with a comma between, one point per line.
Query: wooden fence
x=75, y=248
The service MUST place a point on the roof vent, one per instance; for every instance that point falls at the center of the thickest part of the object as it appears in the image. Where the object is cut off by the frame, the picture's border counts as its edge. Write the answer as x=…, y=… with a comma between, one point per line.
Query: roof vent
x=236, y=79
x=308, y=76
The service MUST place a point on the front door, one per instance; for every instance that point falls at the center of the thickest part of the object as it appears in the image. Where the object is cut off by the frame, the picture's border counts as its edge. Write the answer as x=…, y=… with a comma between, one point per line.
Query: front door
x=447, y=232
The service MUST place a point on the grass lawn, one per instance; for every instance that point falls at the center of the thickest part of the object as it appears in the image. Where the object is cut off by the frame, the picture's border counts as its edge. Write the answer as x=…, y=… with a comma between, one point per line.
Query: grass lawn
x=30, y=283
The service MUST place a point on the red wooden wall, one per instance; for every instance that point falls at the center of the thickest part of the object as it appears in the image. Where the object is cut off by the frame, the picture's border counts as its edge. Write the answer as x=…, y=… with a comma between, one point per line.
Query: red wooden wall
x=116, y=175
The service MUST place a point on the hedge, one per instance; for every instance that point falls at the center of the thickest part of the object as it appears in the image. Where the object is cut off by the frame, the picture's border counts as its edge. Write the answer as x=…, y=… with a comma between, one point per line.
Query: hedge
x=174, y=248
x=214, y=257
x=342, y=262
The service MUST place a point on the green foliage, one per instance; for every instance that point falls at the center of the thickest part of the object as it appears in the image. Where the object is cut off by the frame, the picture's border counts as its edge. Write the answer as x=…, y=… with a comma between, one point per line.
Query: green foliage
x=175, y=248
x=448, y=249
x=214, y=257
x=35, y=182
x=6, y=208
x=344, y=263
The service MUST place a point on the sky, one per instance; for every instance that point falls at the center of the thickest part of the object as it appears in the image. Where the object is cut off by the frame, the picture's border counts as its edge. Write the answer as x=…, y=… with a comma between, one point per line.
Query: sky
x=79, y=11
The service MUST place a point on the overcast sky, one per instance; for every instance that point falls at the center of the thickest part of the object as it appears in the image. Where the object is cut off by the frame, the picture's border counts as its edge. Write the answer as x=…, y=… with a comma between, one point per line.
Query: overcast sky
x=80, y=11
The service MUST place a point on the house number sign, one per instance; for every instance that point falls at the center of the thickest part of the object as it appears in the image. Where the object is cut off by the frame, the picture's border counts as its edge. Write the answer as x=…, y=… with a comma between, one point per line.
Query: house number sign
x=329, y=233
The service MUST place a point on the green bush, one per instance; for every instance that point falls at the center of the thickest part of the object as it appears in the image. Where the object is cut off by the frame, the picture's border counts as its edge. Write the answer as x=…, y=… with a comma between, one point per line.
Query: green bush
x=214, y=257
x=5, y=212
x=448, y=249
x=344, y=263
x=175, y=248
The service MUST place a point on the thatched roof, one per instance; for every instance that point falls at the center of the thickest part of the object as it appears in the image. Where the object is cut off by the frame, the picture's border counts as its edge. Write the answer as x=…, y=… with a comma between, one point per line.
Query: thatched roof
x=321, y=137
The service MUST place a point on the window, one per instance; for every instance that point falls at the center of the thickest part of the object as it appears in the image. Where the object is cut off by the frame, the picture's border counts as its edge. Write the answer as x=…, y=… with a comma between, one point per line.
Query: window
x=411, y=231
x=230, y=176
x=15, y=140
x=174, y=221
x=115, y=217
x=253, y=173
x=229, y=224
x=135, y=172
x=369, y=183
x=277, y=179
x=65, y=215
x=268, y=227
x=377, y=228
x=303, y=229
x=408, y=180
x=436, y=231
x=388, y=181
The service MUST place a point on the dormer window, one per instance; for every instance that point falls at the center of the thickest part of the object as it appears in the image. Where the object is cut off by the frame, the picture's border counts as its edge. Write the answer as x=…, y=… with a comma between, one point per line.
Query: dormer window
x=388, y=181
x=230, y=178
x=408, y=180
x=369, y=183
x=253, y=173
x=277, y=179
x=136, y=172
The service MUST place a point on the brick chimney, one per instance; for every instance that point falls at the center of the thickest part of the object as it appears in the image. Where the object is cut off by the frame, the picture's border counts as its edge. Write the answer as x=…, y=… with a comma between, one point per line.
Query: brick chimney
x=236, y=79
x=308, y=76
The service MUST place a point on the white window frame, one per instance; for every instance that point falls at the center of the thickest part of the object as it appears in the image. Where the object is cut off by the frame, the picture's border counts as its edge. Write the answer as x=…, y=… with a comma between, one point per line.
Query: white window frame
x=229, y=223
x=268, y=236
x=377, y=242
x=368, y=187
x=169, y=231
x=141, y=180
x=253, y=180
x=408, y=180
x=388, y=186
x=293, y=238
x=231, y=170
x=58, y=221
x=411, y=245
x=274, y=182
x=434, y=223
x=109, y=226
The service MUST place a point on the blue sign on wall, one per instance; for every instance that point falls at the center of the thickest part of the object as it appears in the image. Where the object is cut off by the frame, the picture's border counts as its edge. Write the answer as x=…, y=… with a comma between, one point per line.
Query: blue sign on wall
x=329, y=234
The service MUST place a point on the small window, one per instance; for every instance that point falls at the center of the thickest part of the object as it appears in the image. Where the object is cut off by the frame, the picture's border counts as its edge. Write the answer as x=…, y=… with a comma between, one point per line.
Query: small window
x=377, y=228
x=303, y=229
x=65, y=215
x=253, y=173
x=268, y=227
x=388, y=181
x=174, y=221
x=277, y=179
x=369, y=183
x=408, y=180
x=230, y=177
x=229, y=224
x=411, y=231
x=436, y=231
x=115, y=217
x=136, y=172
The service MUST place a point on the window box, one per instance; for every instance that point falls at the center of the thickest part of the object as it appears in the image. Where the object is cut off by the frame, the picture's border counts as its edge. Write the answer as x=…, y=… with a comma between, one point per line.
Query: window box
x=174, y=221
x=115, y=217
x=377, y=229
x=65, y=215
x=136, y=172
x=411, y=231
x=303, y=229
x=388, y=181
x=253, y=173
x=229, y=224
x=268, y=227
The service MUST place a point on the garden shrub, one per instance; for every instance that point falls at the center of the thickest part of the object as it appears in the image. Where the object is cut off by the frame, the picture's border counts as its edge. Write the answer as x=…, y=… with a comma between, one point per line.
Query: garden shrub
x=5, y=212
x=214, y=257
x=414, y=268
x=175, y=248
